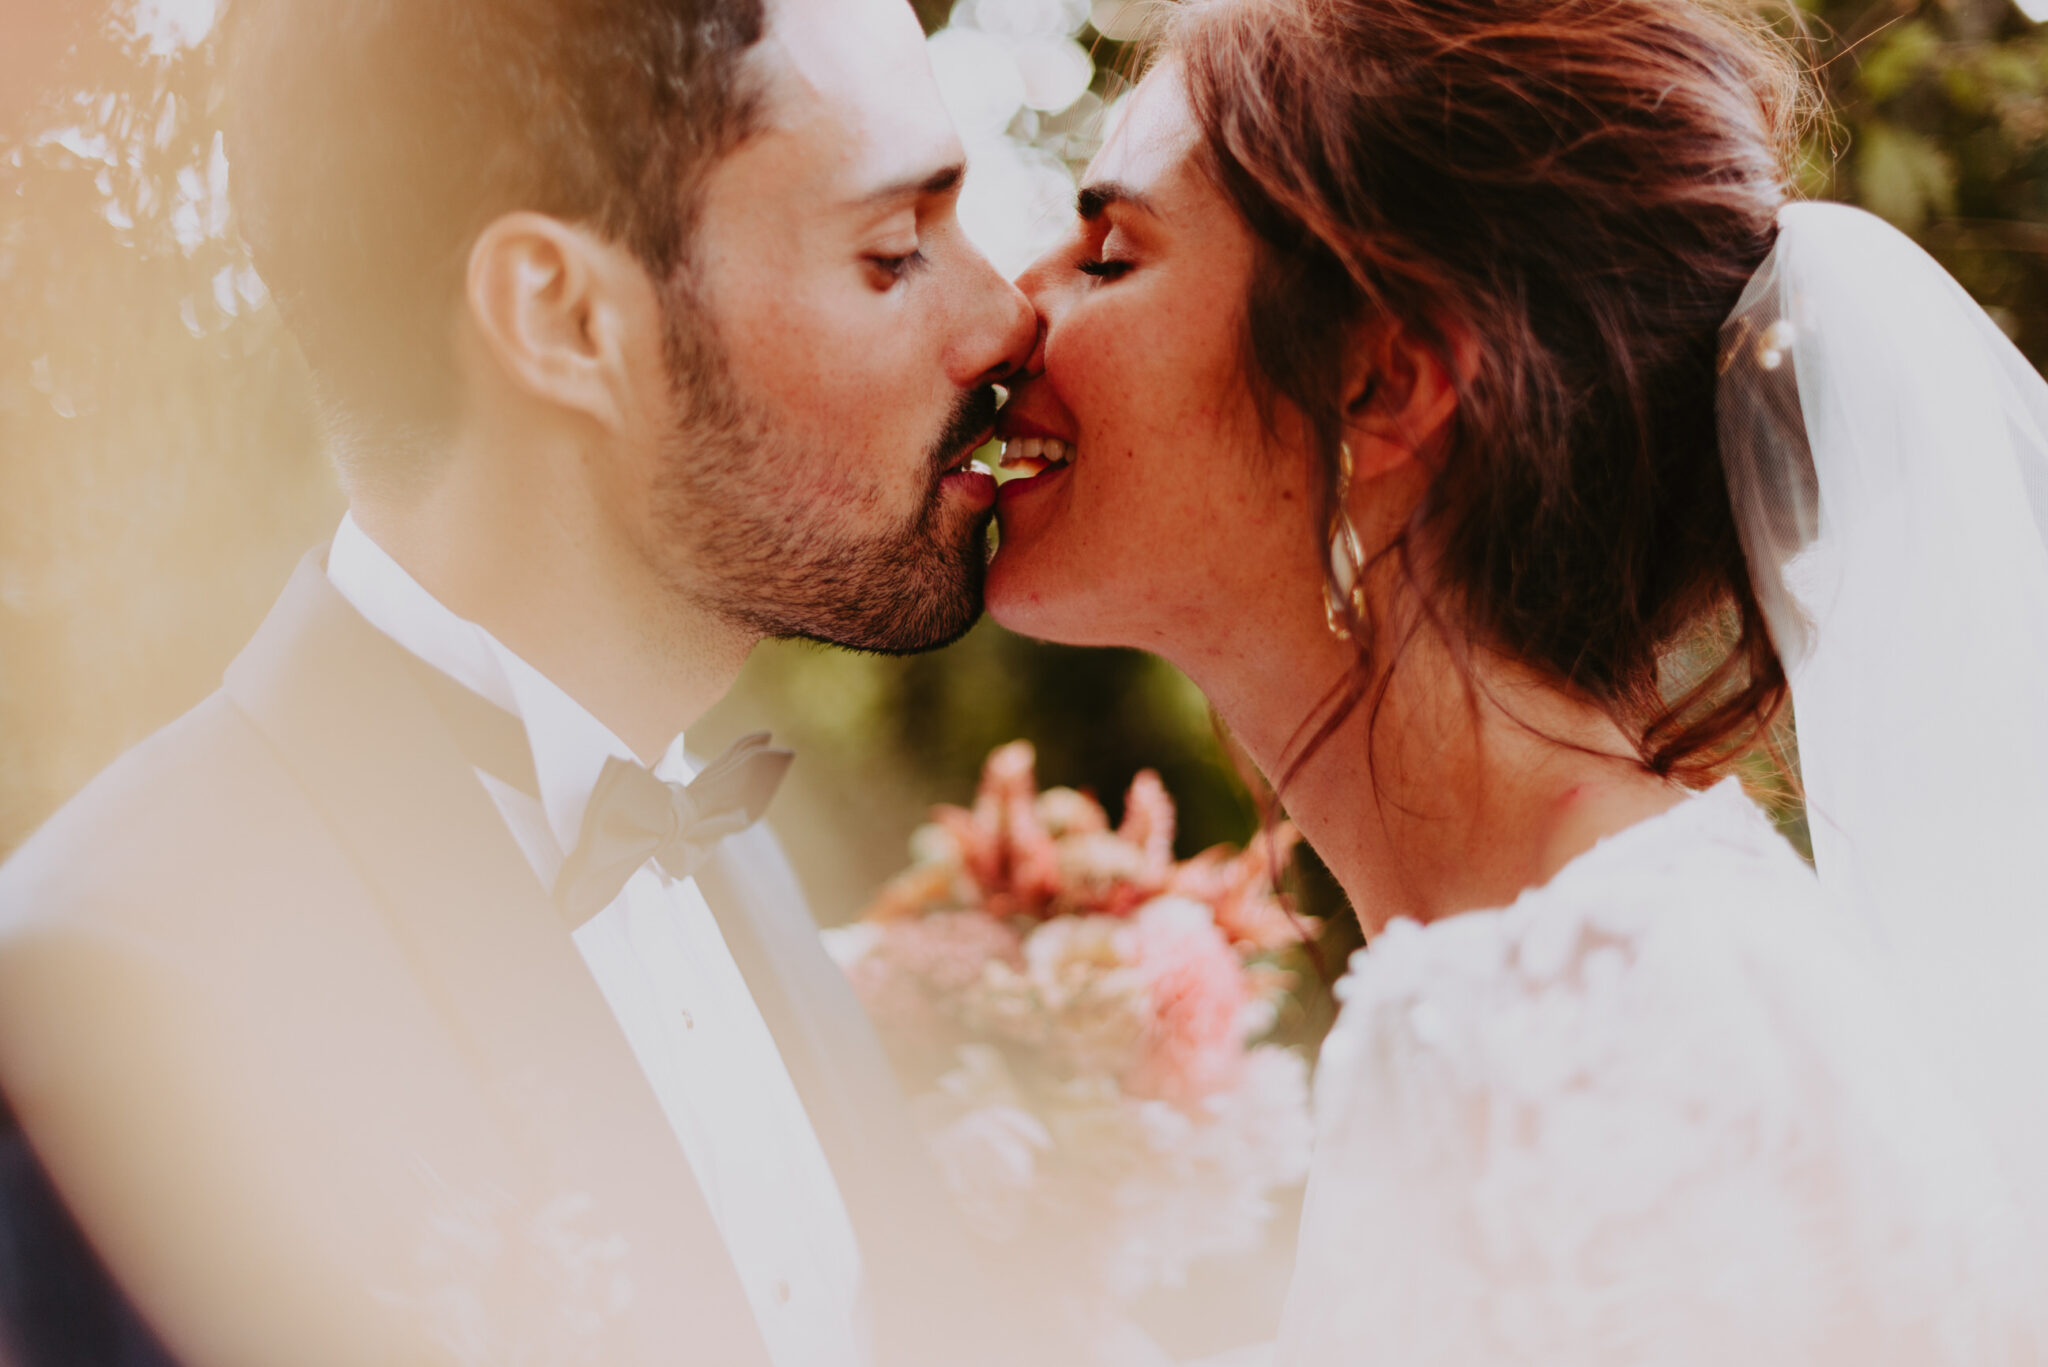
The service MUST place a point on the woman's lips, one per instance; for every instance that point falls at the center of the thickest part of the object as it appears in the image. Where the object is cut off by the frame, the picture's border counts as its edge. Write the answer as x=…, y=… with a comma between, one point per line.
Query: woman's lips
x=1033, y=453
x=1013, y=491
x=1034, y=459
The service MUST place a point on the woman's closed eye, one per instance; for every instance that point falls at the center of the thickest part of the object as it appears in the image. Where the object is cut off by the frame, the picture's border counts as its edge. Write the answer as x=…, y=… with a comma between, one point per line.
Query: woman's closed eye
x=1104, y=252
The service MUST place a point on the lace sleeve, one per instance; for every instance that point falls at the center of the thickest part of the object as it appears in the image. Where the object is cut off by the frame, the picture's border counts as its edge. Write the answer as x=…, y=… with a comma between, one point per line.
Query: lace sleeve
x=1635, y=1121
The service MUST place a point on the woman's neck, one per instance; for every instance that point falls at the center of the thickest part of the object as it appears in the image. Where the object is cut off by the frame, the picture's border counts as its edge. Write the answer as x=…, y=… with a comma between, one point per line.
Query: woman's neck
x=1467, y=796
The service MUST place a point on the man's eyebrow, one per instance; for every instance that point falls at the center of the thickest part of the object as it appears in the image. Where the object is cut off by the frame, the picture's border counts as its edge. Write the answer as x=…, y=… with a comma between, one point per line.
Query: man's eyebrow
x=1094, y=200
x=945, y=180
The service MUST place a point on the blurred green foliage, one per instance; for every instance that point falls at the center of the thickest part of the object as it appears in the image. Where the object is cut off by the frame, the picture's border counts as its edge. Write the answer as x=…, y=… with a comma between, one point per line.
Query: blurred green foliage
x=1940, y=124
x=160, y=469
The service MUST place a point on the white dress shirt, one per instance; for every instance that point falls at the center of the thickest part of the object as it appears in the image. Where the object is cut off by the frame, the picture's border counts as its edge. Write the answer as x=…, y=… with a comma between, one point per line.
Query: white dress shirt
x=664, y=968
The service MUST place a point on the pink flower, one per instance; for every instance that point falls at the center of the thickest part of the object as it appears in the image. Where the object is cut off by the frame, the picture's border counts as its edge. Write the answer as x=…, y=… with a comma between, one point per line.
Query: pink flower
x=1240, y=889
x=1072, y=1008
x=981, y=853
x=1004, y=845
x=914, y=976
x=1148, y=825
x=1080, y=1003
x=915, y=891
x=1101, y=872
x=896, y=1001
x=910, y=974
x=948, y=951
x=1198, y=994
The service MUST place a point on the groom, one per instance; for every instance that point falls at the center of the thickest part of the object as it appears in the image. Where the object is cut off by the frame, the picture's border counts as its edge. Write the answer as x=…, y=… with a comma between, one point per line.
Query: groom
x=401, y=1003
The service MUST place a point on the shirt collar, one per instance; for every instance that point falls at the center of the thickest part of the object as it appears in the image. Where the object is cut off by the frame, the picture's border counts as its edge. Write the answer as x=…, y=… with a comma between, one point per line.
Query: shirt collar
x=570, y=746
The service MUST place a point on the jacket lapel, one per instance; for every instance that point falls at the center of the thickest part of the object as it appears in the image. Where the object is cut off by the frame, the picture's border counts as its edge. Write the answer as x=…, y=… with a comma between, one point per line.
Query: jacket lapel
x=930, y=1307
x=338, y=700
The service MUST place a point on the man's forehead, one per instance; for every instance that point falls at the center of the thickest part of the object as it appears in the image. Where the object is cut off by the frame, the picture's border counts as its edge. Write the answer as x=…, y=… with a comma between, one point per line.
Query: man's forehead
x=852, y=77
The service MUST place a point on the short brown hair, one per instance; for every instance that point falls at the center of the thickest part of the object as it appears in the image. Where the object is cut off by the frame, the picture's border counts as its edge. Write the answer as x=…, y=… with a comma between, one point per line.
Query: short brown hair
x=371, y=140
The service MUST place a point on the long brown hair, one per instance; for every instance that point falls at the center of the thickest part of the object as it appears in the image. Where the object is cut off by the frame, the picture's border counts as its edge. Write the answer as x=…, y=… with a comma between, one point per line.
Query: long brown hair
x=1582, y=188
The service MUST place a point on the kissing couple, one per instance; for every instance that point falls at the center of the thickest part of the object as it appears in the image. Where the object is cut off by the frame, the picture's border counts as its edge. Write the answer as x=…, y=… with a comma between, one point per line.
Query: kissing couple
x=1452, y=390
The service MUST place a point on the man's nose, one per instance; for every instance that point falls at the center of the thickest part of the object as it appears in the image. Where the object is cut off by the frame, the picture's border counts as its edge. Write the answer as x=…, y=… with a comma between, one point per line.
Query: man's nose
x=1009, y=328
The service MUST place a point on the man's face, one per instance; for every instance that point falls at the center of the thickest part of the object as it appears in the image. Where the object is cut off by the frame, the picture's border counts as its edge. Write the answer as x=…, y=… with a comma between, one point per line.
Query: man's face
x=832, y=346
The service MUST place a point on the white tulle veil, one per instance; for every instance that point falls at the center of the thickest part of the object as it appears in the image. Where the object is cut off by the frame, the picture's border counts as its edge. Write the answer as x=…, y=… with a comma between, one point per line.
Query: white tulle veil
x=1887, y=454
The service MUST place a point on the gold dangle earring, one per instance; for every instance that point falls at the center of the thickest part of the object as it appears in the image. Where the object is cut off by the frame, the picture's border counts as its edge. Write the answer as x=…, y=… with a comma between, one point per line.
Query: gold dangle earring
x=1344, y=586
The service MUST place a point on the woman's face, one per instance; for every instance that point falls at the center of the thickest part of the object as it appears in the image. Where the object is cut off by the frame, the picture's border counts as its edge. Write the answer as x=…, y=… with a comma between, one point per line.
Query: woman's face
x=1175, y=523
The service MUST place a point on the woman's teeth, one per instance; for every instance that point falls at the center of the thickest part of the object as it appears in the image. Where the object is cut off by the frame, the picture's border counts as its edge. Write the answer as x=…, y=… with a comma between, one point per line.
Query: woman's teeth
x=1032, y=455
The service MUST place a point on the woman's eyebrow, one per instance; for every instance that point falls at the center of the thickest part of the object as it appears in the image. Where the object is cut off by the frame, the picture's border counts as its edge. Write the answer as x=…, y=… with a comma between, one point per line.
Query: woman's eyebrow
x=1094, y=200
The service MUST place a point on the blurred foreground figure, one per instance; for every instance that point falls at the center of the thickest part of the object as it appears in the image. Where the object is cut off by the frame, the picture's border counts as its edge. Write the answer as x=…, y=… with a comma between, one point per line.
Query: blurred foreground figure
x=39, y=32
x=416, y=998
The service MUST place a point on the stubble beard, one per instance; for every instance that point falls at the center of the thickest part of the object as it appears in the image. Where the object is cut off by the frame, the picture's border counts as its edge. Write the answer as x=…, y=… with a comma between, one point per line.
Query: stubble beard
x=781, y=569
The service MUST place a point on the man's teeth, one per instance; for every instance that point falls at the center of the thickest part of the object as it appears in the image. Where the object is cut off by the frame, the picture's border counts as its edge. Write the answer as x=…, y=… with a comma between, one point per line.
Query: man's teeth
x=1034, y=454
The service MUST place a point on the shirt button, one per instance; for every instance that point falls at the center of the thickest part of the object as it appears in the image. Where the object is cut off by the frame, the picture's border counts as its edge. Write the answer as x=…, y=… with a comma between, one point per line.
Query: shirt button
x=782, y=1293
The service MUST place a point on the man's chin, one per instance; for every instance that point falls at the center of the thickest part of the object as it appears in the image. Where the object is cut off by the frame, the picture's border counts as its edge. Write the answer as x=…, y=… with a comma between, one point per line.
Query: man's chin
x=936, y=629
x=940, y=605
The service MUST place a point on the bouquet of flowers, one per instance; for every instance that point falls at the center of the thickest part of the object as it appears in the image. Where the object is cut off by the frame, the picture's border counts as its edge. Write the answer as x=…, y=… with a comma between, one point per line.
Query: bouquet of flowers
x=1077, y=1014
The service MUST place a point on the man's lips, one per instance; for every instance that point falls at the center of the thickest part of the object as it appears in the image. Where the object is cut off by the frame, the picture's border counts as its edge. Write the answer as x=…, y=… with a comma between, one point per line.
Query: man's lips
x=970, y=478
x=963, y=461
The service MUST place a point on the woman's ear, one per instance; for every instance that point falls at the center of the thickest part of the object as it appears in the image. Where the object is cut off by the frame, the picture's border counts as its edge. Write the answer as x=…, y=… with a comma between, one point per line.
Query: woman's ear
x=551, y=303
x=1401, y=395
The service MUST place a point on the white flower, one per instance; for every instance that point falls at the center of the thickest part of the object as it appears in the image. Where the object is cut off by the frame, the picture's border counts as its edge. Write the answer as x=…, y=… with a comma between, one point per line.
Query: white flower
x=981, y=1079
x=932, y=843
x=1176, y=916
x=1064, y=812
x=1073, y=956
x=1258, y=1018
x=1202, y=1185
x=985, y=1143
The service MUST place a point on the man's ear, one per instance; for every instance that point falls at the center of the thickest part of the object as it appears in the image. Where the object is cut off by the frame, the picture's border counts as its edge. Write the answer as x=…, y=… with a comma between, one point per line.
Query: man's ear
x=554, y=305
x=1401, y=395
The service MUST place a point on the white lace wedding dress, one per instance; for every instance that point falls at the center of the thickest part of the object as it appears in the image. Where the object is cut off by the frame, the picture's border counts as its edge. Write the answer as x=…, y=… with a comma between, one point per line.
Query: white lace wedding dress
x=1659, y=1111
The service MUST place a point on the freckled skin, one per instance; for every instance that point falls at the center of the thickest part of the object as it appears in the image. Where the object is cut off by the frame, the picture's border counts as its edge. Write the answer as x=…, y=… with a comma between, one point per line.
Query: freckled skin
x=1181, y=527
x=1177, y=504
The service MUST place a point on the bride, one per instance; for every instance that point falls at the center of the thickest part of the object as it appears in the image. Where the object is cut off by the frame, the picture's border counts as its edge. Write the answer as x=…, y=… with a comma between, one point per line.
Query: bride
x=1451, y=391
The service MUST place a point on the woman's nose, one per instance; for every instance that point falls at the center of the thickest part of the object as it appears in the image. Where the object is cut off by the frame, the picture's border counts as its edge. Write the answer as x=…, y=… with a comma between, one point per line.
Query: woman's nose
x=1041, y=284
x=1036, y=282
x=1023, y=330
